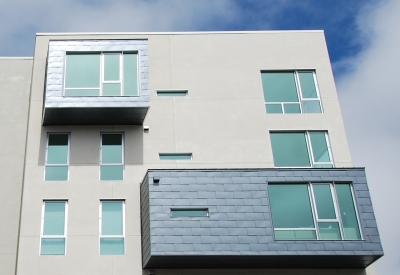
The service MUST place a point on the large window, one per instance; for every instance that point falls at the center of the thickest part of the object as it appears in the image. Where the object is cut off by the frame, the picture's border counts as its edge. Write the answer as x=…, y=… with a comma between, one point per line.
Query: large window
x=291, y=92
x=101, y=74
x=112, y=228
x=301, y=149
x=57, y=156
x=316, y=211
x=111, y=157
x=54, y=228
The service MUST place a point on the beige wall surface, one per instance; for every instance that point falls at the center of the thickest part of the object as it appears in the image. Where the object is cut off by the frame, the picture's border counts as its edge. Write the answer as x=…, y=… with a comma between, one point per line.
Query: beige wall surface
x=222, y=122
x=15, y=79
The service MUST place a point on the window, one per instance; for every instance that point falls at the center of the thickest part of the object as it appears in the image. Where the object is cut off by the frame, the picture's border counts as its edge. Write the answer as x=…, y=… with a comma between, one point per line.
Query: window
x=172, y=93
x=54, y=228
x=291, y=92
x=112, y=228
x=189, y=212
x=57, y=157
x=315, y=211
x=101, y=74
x=175, y=156
x=111, y=157
x=301, y=149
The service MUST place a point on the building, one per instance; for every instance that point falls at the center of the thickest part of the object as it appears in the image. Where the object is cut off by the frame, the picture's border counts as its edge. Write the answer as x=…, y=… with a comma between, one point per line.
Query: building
x=179, y=153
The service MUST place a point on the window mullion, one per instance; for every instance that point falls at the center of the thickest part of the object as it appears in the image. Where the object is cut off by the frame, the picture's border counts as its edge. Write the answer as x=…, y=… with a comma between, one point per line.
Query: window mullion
x=314, y=209
x=309, y=148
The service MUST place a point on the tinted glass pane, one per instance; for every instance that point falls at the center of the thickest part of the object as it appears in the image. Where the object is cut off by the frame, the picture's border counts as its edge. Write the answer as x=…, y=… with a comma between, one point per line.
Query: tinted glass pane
x=319, y=147
x=324, y=201
x=111, y=89
x=111, y=66
x=290, y=206
x=347, y=212
x=323, y=166
x=54, y=246
x=54, y=218
x=279, y=87
x=114, y=172
x=274, y=108
x=292, y=108
x=111, y=218
x=175, y=156
x=290, y=149
x=111, y=151
x=57, y=150
x=295, y=235
x=130, y=74
x=112, y=246
x=82, y=71
x=189, y=212
x=329, y=231
x=307, y=84
x=56, y=173
x=82, y=92
x=171, y=93
x=311, y=106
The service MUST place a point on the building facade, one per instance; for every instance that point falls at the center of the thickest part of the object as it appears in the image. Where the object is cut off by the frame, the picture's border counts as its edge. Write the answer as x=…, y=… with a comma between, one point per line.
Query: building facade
x=179, y=153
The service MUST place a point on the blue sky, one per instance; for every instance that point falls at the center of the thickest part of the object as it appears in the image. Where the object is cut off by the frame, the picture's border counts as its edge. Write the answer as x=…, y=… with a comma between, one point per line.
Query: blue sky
x=363, y=39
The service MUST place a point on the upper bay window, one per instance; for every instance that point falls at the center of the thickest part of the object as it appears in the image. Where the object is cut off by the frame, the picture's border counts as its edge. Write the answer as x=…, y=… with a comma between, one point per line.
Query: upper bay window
x=291, y=92
x=101, y=74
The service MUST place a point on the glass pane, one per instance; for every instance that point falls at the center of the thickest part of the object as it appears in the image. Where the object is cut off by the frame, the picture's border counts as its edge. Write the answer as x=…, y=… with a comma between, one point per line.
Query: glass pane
x=307, y=84
x=319, y=147
x=114, y=172
x=274, y=108
x=292, y=108
x=176, y=156
x=172, y=93
x=290, y=206
x=111, y=218
x=82, y=92
x=56, y=173
x=54, y=218
x=347, y=212
x=82, y=71
x=130, y=74
x=290, y=150
x=111, y=151
x=111, y=66
x=112, y=246
x=329, y=231
x=323, y=166
x=295, y=235
x=54, y=246
x=111, y=89
x=324, y=201
x=311, y=106
x=279, y=87
x=57, y=150
x=189, y=212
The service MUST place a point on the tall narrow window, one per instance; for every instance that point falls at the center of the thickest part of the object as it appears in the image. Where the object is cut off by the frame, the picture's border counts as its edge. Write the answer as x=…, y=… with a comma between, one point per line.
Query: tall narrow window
x=57, y=156
x=112, y=227
x=54, y=228
x=111, y=157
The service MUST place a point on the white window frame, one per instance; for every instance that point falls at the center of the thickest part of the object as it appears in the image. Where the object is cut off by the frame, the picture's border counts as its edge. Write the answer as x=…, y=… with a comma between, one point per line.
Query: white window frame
x=42, y=236
x=123, y=153
x=47, y=152
x=123, y=224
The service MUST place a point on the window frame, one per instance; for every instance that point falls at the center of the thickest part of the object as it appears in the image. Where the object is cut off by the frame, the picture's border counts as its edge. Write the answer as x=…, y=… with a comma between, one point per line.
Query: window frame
x=64, y=236
x=112, y=164
x=123, y=236
x=47, y=154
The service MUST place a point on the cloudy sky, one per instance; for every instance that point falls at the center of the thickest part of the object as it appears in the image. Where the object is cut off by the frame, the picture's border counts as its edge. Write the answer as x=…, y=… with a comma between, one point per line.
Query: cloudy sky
x=363, y=39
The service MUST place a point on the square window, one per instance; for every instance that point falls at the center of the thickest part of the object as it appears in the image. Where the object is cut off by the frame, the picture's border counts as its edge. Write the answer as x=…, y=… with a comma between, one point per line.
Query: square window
x=57, y=157
x=54, y=228
x=111, y=156
x=112, y=227
x=301, y=149
x=101, y=74
x=313, y=211
x=291, y=92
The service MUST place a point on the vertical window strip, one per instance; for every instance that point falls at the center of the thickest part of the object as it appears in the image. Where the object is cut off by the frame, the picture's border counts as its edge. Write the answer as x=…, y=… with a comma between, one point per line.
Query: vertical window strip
x=112, y=227
x=112, y=157
x=57, y=157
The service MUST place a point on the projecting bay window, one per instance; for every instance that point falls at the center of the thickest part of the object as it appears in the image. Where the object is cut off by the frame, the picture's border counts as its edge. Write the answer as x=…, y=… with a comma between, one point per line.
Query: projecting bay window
x=57, y=157
x=291, y=92
x=301, y=149
x=101, y=74
x=112, y=227
x=315, y=211
x=111, y=156
x=54, y=228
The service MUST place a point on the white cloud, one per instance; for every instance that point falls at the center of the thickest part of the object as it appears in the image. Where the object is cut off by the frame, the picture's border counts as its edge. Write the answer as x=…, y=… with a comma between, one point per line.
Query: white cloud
x=370, y=98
